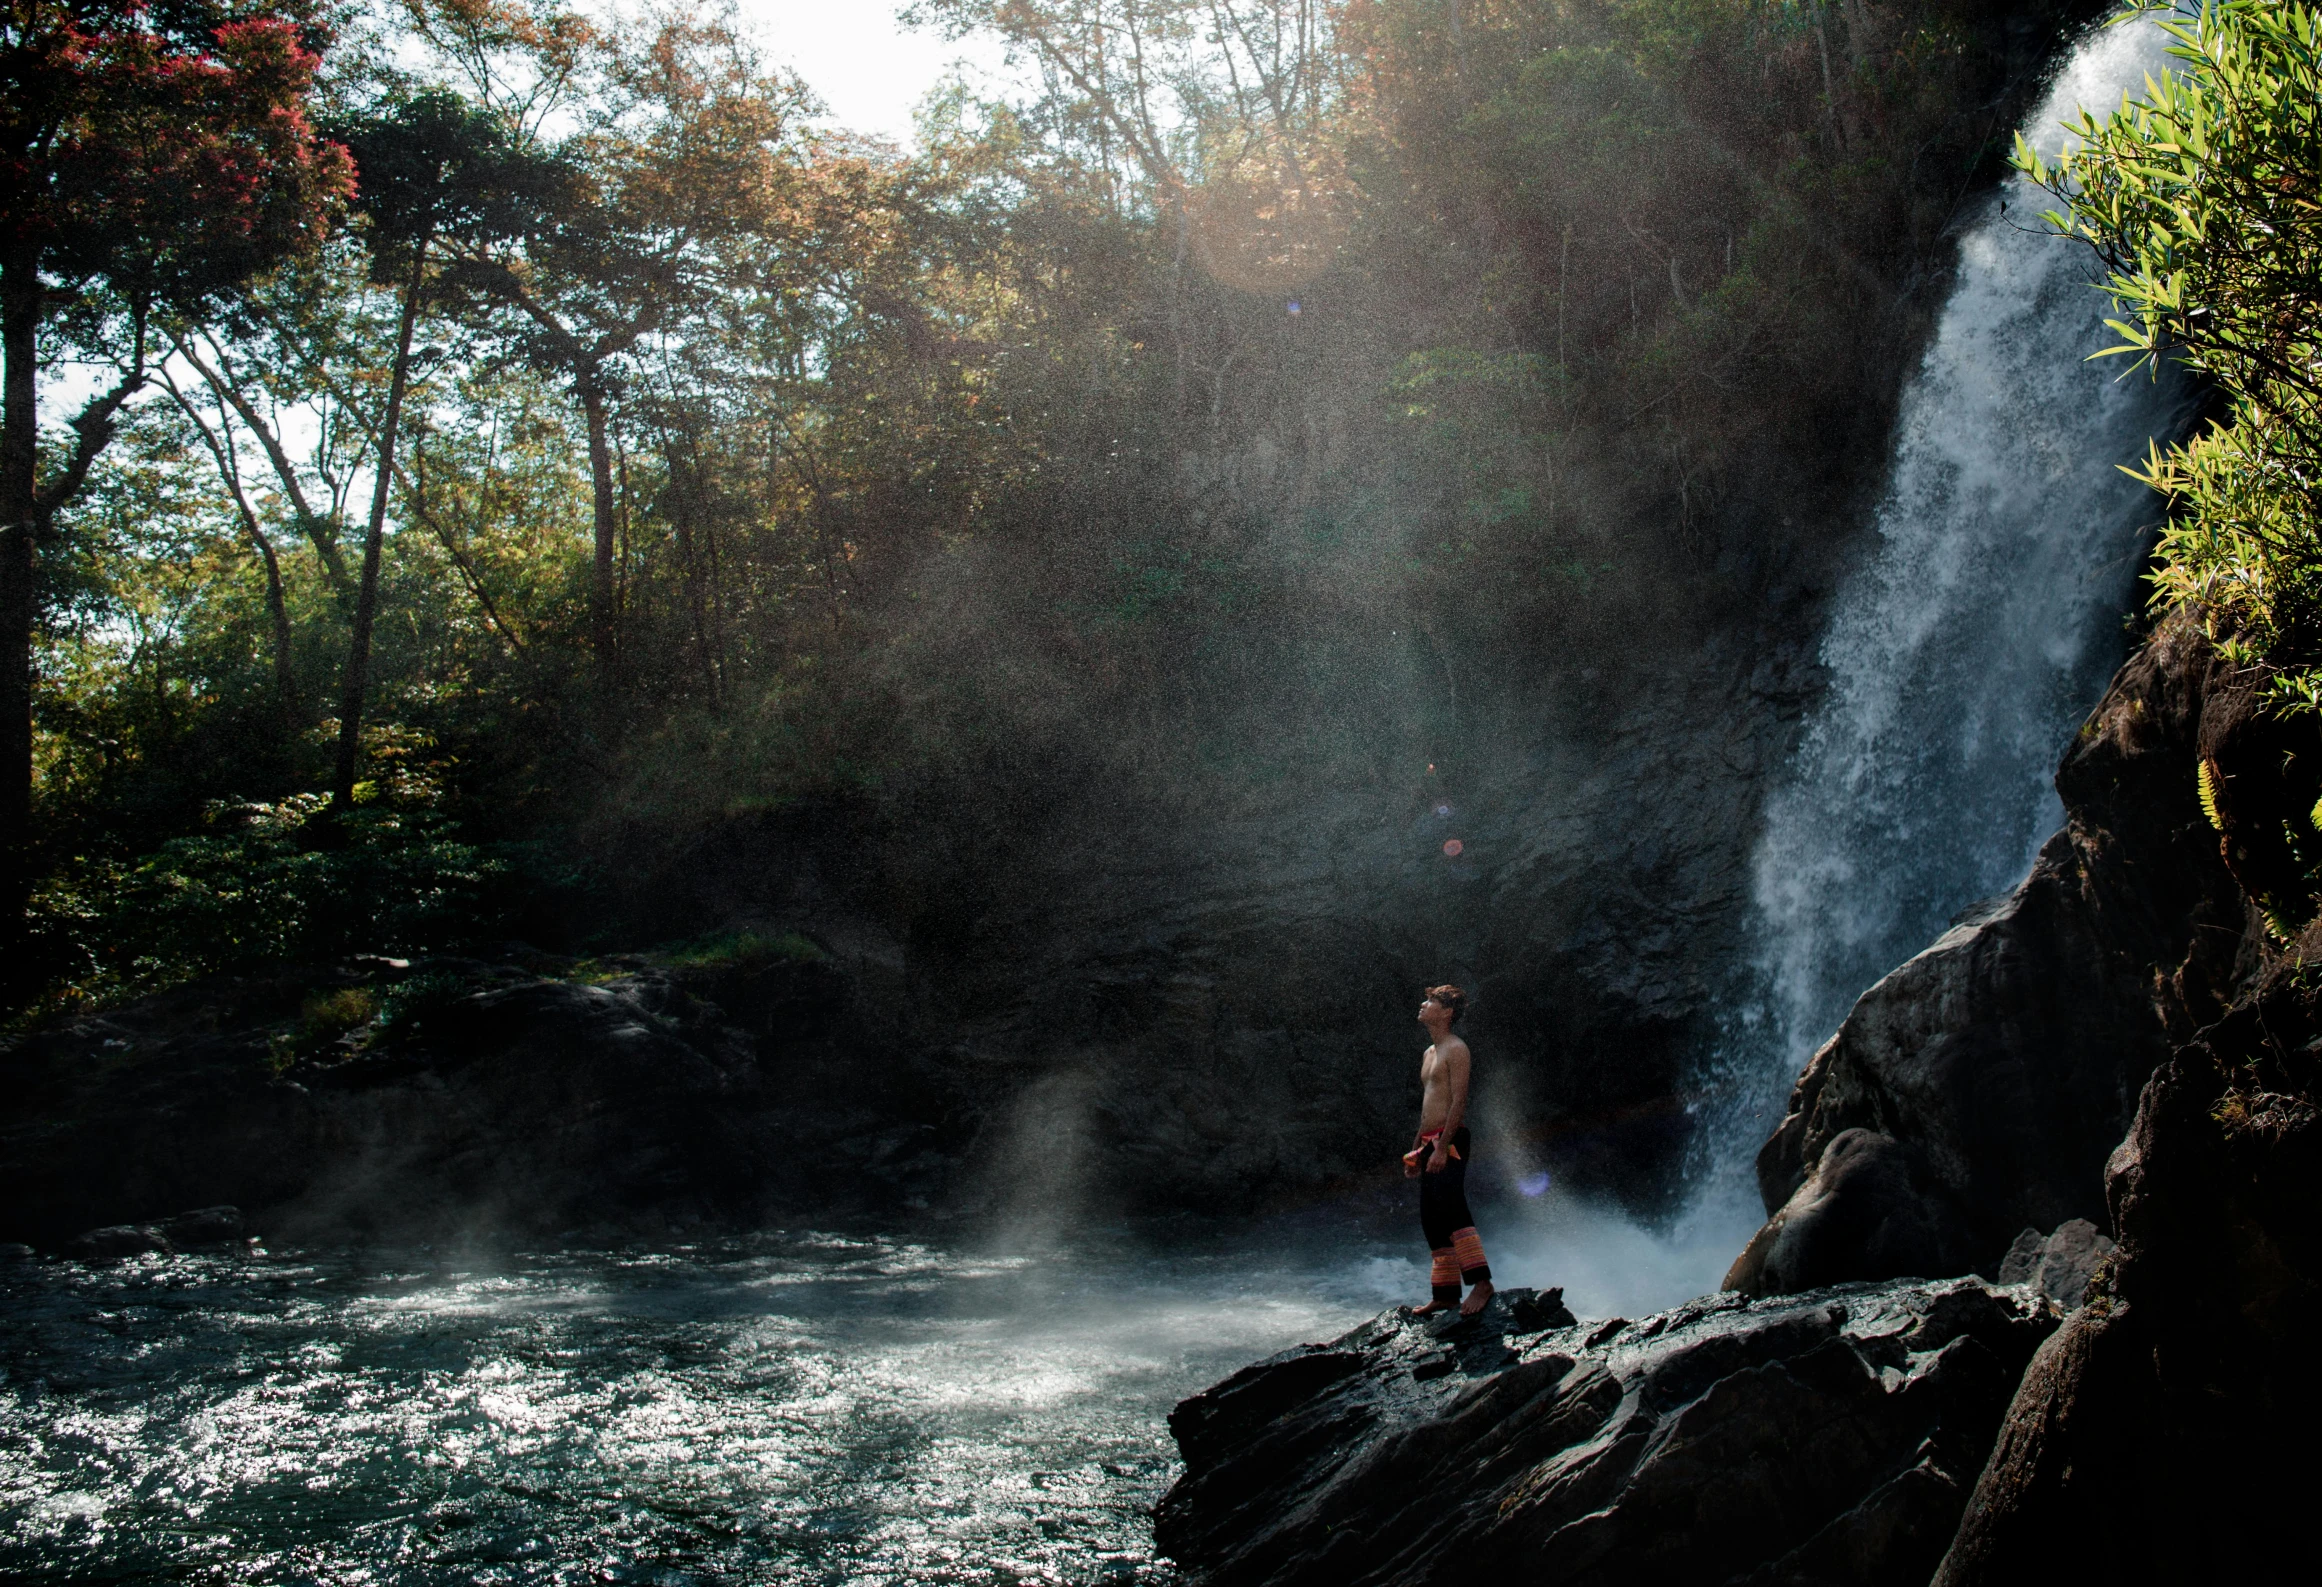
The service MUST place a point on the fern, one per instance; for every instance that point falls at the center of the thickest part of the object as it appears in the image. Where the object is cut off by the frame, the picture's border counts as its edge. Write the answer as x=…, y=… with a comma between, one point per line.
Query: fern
x=2205, y=782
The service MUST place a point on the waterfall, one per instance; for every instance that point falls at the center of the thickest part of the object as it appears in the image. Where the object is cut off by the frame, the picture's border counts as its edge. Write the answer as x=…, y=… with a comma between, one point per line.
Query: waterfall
x=1963, y=652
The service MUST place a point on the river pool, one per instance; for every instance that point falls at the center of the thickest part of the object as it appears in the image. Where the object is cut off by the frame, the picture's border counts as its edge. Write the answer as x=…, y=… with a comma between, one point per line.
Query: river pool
x=813, y=1408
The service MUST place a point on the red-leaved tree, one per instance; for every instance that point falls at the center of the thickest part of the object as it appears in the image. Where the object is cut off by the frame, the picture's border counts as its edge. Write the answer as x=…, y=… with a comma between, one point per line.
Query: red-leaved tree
x=153, y=156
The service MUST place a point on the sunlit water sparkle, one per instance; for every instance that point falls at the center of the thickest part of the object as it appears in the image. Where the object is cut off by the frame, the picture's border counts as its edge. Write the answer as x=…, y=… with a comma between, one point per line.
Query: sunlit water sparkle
x=809, y=1409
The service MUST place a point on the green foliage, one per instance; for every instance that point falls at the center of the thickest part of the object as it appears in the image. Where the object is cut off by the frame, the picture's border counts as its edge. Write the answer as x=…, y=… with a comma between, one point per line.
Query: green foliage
x=413, y=1002
x=432, y=166
x=324, y=1019
x=744, y=949
x=2205, y=197
x=1087, y=460
x=267, y=883
x=326, y=1016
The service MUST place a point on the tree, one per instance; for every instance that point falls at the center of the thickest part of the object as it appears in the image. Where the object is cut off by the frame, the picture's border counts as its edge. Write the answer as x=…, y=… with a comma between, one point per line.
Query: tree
x=432, y=169
x=218, y=440
x=685, y=154
x=149, y=158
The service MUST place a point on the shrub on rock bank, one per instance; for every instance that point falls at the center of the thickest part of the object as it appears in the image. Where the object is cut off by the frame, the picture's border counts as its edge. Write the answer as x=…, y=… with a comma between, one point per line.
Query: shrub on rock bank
x=2205, y=198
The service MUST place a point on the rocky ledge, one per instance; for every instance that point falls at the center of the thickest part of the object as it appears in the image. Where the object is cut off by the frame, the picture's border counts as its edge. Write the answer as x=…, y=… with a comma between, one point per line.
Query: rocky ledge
x=471, y=1095
x=1830, y=1437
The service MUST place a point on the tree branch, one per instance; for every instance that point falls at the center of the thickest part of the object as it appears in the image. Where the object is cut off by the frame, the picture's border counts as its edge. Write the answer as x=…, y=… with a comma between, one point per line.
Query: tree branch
x=93, y=430
x=415, y=493
x=334, y=564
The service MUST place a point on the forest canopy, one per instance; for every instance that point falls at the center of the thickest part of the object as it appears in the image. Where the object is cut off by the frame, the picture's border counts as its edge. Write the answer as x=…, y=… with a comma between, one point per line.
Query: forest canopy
x=575, y=443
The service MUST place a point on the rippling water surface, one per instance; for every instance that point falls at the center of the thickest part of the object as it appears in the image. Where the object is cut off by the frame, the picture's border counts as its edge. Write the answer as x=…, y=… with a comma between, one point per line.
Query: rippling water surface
x=808, y=1409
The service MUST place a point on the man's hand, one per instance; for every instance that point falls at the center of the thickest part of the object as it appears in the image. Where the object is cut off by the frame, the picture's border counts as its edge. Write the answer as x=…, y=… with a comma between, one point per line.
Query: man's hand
x=1438, y=1157
x=1410, y=1168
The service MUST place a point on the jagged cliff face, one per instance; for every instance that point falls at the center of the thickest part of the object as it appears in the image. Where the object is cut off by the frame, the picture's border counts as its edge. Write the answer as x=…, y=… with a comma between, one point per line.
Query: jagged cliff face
x=2120, y=1039
x=2162, y=1433
x=1977, y=1089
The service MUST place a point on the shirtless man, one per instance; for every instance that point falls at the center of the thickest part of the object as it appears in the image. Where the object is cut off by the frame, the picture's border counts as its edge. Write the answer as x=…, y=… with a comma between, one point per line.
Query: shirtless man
x=1438, y=1160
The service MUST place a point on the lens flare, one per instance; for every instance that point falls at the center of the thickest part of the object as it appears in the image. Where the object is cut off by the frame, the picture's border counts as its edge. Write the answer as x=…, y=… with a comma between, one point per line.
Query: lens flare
x=1533, y=1184
x=1452, y=848
x=1443, y=810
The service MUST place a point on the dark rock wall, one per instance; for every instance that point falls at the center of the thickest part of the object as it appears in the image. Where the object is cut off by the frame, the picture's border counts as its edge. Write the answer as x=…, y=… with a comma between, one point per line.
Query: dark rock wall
x=1238, y=1011
x=1213, y=996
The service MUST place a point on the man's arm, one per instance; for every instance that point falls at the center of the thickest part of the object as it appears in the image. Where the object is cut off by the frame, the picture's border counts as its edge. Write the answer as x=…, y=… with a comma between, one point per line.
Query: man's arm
x=1419, y=1131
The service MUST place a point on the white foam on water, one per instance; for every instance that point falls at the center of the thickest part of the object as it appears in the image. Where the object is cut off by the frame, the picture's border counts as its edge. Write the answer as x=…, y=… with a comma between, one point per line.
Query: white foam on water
x=1607, y=1264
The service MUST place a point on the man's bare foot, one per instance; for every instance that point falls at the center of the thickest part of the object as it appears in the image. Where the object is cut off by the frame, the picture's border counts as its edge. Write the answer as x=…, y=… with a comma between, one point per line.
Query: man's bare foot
x=1431, y=1309
x=1477, y=1299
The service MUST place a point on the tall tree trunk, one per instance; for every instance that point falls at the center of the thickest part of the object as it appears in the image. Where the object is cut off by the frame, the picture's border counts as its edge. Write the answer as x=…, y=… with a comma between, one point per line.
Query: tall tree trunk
x=602, y=631
x=19, y=515
x=367, y=591
x=285, y=674
x=684, y=503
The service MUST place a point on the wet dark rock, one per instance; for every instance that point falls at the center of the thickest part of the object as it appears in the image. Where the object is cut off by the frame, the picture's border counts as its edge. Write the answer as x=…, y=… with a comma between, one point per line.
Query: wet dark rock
x=188, y=1231
x=1870, y=1209
x=1824, y=1438
x=1538, y=1309
x=112, y=1243
x=204, y=1226
x=2165, y=1433
x=2059, y=1265
x=1978, y=1088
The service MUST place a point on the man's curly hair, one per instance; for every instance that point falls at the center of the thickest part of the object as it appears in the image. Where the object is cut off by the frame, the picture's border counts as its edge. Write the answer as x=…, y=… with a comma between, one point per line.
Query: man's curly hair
x=1451, y=997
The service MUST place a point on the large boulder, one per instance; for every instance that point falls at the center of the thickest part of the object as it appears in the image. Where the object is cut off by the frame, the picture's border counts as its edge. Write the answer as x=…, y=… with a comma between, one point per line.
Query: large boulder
x=1871, y=1208
x=2165, y=1433
x=1978, y=1088
x=1827, y=1438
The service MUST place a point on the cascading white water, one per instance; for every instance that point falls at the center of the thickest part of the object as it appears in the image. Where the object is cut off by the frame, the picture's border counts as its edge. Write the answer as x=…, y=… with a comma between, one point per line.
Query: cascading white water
x=1978, y=633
